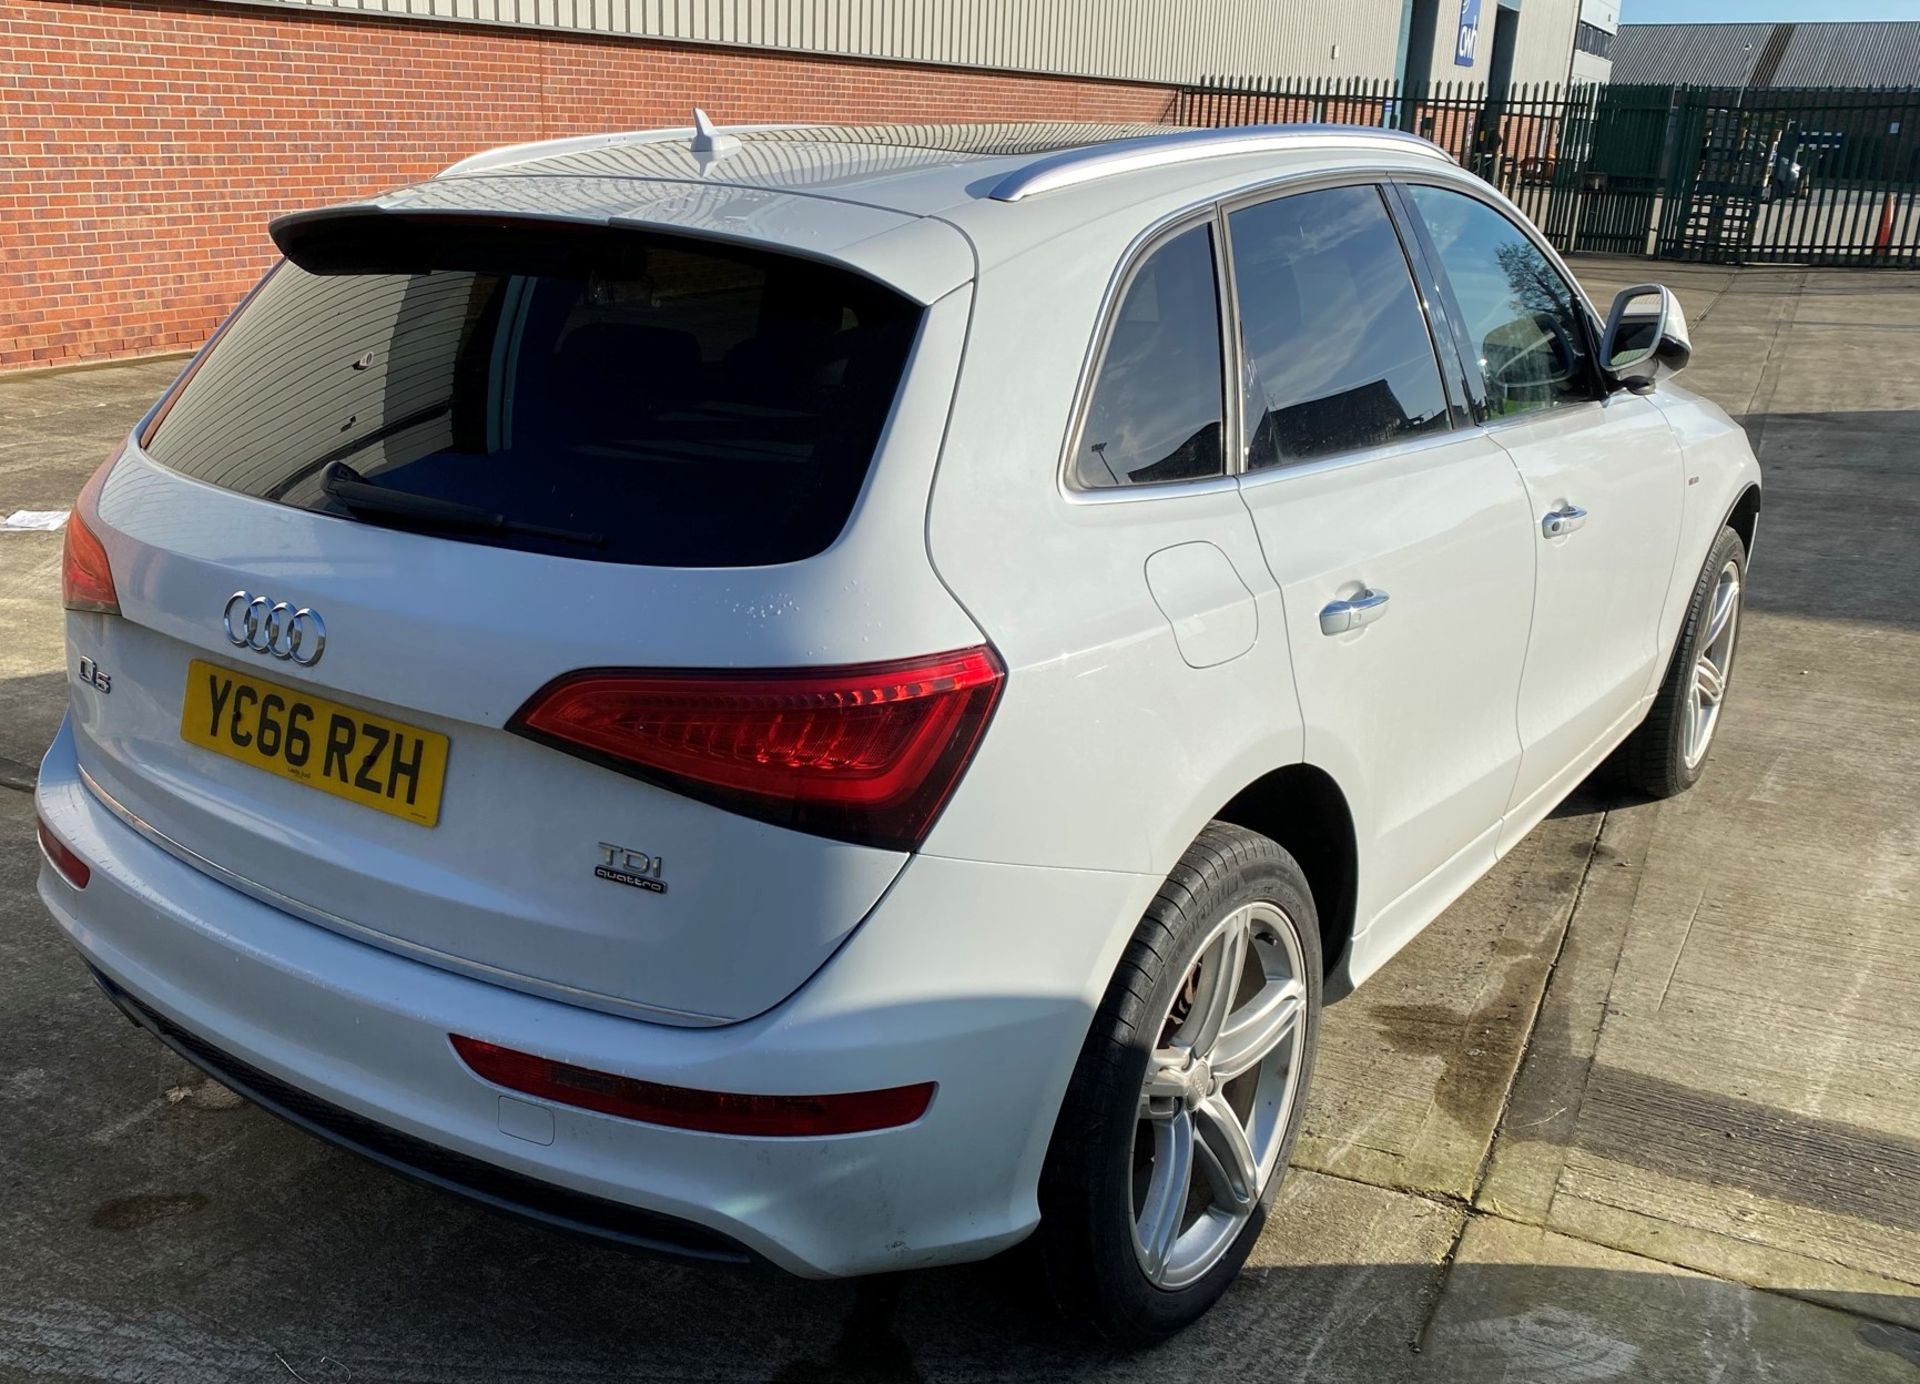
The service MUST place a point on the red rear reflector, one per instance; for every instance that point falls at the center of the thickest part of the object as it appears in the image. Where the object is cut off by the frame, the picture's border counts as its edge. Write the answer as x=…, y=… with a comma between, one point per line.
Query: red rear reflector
x=71, y=867
x=711, y=1112
x=868, y=754
x=86, y=580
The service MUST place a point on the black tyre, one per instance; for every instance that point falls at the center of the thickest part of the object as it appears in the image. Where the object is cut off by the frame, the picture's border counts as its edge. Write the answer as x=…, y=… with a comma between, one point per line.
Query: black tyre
x=1667, y=753
x=1188, y=1094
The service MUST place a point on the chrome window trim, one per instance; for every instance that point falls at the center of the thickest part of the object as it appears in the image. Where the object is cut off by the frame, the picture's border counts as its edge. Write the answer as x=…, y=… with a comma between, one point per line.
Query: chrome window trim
x=1153, y=490
x=1233, y=360
x=1138, y=250
x=1433, y=293
x=1365, y=456
x=1540, y=415
x=333, y=922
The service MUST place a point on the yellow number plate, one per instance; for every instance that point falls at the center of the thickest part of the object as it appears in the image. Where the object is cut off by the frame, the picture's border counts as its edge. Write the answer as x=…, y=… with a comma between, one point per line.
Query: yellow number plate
x=387, y=765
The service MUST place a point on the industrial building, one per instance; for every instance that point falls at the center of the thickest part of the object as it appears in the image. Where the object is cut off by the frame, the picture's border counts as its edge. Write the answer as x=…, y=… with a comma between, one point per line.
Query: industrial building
x=147, y=143
x=1883, y=54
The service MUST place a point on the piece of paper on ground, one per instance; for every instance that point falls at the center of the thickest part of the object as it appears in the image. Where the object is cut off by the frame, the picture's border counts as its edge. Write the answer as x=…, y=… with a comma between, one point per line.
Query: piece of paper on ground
x=34, y=521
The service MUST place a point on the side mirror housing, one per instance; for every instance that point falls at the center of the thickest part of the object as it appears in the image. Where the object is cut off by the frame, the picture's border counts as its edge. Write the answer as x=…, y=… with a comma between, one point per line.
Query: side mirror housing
x=1646, y=338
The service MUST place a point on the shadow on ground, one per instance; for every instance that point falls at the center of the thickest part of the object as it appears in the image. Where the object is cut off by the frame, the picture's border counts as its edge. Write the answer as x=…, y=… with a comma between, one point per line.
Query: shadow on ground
x=30, y=712
x=414, y=1287
x=1848, y=483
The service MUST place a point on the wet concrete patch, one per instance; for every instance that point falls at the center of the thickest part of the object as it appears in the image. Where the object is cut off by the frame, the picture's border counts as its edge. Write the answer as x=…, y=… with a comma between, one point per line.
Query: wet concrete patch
x=139, y=1212
x=1474, y=1049
x=1895, y=1340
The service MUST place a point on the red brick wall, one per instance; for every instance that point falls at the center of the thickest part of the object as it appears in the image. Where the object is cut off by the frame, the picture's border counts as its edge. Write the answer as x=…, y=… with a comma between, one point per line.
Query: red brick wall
x=145, y=144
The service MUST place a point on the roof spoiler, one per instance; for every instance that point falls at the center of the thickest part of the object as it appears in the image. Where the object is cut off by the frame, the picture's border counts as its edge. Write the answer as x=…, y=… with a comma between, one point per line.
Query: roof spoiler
x=922, y=259
x=371, y=238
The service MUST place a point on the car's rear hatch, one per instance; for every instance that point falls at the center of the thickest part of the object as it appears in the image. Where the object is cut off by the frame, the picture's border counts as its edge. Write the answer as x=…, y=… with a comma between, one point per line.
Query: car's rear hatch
x=490, y=456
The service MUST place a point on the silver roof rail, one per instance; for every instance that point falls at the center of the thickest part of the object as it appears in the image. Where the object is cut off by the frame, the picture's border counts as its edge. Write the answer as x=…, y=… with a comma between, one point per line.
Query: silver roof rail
x=1095, y=161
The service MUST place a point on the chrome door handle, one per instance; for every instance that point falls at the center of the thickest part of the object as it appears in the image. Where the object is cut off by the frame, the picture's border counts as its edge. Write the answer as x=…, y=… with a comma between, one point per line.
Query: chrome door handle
x=1565, y=519
x=1341, y=616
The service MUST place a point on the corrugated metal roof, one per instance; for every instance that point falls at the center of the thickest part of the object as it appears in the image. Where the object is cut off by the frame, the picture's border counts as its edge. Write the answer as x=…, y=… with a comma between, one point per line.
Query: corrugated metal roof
x=1705, y=54
x=1852, y=55
x=1824, y=54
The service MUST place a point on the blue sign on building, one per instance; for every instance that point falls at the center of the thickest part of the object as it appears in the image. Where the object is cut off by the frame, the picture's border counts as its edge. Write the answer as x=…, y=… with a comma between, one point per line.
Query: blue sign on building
x=1469, y=40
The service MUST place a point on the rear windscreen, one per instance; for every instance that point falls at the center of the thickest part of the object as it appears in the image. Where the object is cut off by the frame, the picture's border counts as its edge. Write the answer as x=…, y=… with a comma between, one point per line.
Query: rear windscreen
x=605, y=395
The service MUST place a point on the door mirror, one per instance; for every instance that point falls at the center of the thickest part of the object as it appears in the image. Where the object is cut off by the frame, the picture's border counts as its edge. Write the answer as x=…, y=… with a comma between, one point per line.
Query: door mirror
x=1646, y=338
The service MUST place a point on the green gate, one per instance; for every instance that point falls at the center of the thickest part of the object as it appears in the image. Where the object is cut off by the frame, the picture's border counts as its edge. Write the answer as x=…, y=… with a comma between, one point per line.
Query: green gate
x=1622, y=172
x=1813, y=175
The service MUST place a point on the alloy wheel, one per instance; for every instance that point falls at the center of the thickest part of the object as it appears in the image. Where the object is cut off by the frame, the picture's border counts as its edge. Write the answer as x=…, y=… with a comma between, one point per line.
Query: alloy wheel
x=1218, y=1093
x=1708, y=688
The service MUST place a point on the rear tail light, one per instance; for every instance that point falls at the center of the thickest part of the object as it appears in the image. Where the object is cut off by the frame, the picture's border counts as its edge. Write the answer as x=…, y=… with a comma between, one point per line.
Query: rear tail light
x=711, y=1112
x=868, y=754
x=71, y=867
x=86, y=580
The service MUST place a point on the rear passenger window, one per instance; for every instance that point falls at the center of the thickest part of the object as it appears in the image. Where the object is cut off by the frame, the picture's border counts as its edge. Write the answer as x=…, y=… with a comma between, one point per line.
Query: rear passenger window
x=1521, y=317
x=1156, y=413
x=1337, y=353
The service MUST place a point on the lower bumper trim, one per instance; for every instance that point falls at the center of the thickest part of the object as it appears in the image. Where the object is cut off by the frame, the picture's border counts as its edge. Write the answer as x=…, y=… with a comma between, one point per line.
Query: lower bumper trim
x=445, y=1169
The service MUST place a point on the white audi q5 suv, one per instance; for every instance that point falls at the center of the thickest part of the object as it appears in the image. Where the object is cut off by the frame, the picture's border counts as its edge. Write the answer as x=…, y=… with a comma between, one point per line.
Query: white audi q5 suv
x=845, y=695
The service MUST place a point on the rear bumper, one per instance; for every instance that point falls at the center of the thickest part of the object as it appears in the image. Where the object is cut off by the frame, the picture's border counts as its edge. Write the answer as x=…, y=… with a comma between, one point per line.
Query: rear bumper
x=424, y=1162
x=981, y=978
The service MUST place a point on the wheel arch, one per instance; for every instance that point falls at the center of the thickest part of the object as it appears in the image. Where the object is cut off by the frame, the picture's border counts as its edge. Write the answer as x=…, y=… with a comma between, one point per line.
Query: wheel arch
x=1303, y=808
x=1744, y=517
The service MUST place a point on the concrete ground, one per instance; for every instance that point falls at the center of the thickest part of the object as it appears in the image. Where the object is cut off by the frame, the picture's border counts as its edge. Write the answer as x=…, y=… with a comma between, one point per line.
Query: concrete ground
x=1645, y=1105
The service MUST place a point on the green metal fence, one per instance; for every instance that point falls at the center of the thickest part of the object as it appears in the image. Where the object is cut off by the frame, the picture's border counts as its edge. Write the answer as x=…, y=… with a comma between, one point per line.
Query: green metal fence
x=1816, y=175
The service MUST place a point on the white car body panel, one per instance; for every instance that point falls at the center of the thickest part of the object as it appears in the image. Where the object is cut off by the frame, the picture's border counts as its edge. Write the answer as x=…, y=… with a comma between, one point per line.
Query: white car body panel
x=951, y=982
x=1718, y=468
x=1413, y=714
x=1162, y=655
x=1599, y=589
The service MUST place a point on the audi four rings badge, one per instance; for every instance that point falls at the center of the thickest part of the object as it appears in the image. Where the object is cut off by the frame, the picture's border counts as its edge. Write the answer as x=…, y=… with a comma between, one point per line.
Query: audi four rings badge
x=274, y=627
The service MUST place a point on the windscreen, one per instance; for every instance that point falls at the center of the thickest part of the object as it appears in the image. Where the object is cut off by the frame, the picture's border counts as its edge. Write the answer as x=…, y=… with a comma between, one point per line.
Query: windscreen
x=598, y=394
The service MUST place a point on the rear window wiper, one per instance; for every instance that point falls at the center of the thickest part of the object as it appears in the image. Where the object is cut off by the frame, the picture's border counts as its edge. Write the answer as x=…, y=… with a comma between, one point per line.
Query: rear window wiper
x=362, y=496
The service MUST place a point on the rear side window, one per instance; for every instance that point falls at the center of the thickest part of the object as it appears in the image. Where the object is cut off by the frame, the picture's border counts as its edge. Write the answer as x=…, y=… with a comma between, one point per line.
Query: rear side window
x=600, y=395
x=1337, y=352
x=1155, y=414
x=1521, y=317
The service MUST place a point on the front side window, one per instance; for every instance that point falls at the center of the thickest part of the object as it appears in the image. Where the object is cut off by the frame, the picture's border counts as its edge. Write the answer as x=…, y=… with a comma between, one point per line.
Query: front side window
x=1155, y=414
x=1337, y=352
x=1521, y=318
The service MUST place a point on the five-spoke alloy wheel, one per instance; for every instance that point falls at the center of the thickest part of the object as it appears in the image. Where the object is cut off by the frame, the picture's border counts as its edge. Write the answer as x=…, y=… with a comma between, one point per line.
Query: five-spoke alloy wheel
x=1668, y=752
x=1218, y=1090
x=1187, y=1096
x=1713, y=665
